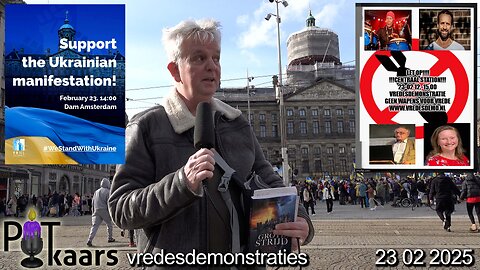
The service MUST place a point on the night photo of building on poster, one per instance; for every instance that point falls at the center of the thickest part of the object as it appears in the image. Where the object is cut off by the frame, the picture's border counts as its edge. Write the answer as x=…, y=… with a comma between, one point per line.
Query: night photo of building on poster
x=65, y=84
x=417, y=86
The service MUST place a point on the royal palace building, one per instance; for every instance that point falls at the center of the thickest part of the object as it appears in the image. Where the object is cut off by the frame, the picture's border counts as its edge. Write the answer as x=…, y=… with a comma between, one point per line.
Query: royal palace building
x=319, y=98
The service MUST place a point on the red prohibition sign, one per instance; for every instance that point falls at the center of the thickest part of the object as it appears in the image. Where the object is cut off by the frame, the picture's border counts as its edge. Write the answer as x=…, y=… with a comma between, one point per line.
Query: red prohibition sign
x=446, y=60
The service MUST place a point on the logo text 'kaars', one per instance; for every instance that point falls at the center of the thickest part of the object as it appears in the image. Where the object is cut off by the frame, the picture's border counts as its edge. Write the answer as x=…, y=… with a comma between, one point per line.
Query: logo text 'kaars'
x=32, y=245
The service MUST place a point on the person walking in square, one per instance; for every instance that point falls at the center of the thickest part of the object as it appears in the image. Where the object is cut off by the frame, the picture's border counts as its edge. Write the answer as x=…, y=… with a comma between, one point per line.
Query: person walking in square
x=328, y=195
x=471, y=193
x=371, y=197
x=309, y=199
x=443, y=189
x=100, y=212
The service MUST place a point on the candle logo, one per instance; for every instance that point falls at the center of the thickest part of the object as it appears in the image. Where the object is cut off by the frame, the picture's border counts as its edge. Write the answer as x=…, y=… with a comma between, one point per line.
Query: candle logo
x=32, y=242
x=30, y=234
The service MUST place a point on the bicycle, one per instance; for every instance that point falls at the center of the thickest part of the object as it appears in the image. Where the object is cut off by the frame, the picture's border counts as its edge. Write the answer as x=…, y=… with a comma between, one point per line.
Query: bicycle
x=408, y=202
x=424, y=200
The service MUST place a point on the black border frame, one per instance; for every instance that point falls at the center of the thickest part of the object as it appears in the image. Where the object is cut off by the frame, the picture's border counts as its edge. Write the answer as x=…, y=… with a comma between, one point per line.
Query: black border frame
x=474, y=41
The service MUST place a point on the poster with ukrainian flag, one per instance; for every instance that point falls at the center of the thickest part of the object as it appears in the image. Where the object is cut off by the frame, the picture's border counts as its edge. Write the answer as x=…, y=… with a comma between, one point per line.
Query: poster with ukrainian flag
x=64, y=84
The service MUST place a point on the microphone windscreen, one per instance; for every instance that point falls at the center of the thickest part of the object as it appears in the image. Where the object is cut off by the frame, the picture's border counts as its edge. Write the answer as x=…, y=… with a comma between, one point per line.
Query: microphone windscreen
x=204, y=135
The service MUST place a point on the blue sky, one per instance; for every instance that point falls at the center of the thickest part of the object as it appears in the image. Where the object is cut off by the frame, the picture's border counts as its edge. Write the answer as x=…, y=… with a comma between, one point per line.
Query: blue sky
x=248, y=41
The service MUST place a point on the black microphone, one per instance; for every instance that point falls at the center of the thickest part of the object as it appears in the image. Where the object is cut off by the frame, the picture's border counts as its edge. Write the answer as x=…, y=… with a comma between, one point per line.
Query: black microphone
x=203, y=134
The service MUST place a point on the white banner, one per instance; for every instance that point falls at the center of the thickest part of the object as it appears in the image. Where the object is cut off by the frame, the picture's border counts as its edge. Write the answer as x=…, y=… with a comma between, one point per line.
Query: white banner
x=416, y=86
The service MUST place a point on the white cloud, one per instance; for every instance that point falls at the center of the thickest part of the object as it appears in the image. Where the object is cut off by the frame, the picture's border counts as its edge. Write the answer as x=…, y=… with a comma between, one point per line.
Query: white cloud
x=263, y=9
x=250, y=57
x=260, y=32
x=297, y=10
x=243, y=19
x=329, y=14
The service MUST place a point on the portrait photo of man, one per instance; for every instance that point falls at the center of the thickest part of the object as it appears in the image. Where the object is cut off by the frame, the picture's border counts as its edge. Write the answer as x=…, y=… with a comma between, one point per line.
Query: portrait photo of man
x=403, y=147
x=387, y=30
x=399, y=150
x=447, y=29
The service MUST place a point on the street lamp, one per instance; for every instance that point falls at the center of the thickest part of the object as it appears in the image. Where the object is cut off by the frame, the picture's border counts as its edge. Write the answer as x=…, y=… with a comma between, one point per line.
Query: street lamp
x=279, y=93
x=249, y=79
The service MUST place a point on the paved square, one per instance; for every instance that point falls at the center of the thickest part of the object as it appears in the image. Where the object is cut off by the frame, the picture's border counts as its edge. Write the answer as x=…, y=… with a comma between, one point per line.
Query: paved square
x=346, y=239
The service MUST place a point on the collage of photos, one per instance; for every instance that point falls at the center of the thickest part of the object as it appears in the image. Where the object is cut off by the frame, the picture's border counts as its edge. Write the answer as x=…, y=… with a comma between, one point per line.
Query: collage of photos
x=417, y=86
x=439, y=29
x=444, y=145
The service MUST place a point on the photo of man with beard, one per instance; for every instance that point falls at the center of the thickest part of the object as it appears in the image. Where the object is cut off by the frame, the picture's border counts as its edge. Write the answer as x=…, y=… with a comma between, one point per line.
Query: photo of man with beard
x=444, y=31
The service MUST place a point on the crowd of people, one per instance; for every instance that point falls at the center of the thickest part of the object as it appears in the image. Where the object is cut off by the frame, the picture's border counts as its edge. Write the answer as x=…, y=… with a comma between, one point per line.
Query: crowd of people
x=441, y=192
x=367, y=193
x=52, y=205
x=61, y=204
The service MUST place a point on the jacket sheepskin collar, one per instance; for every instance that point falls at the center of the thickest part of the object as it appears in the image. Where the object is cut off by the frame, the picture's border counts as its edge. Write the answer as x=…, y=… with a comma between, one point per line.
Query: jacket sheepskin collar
x=182, y=119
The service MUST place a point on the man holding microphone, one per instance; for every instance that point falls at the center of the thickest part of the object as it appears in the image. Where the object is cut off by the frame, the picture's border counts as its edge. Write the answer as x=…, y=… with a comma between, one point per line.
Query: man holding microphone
x=159, y=189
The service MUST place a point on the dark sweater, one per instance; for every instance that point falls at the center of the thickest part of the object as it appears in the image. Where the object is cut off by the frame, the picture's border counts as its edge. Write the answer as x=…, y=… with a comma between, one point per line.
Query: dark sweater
x=443, y=188
x=470, y=188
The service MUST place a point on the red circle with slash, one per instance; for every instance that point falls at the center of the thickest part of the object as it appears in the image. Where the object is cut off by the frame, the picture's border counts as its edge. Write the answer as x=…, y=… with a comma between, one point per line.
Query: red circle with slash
x=446, y=60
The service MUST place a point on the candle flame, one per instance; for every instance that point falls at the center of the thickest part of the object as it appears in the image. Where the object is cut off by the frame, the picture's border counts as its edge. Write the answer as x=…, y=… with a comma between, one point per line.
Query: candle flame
x=31, y=214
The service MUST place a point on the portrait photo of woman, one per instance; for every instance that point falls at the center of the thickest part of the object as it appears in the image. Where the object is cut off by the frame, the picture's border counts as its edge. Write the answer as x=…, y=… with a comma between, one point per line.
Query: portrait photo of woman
x=447, y=148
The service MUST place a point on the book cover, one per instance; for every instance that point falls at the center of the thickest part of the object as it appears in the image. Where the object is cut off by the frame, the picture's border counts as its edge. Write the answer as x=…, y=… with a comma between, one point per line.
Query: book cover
x=269, y=208
x=64, y=84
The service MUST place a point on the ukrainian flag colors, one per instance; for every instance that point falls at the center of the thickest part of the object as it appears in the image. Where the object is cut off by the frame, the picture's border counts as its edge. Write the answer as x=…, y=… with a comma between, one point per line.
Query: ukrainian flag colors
x=35, y=154
x=44, y=131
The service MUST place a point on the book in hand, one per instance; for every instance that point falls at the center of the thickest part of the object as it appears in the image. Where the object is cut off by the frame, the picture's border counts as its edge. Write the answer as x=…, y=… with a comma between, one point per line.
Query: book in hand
x=270, y=207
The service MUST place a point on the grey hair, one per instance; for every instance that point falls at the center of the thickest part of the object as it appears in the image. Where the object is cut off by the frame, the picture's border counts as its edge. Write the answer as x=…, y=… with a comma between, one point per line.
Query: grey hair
x=404, y=127
x=203, y=31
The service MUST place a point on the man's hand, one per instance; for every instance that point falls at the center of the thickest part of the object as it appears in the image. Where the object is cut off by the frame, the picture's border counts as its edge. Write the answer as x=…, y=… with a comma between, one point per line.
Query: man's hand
x=199, y=167
x=297, y=229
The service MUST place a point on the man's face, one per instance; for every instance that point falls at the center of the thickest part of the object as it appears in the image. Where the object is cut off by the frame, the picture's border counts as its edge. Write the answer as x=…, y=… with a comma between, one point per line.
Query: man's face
x=401, y=134
x=199, y=70
x=389, y=21
x=444, y=26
